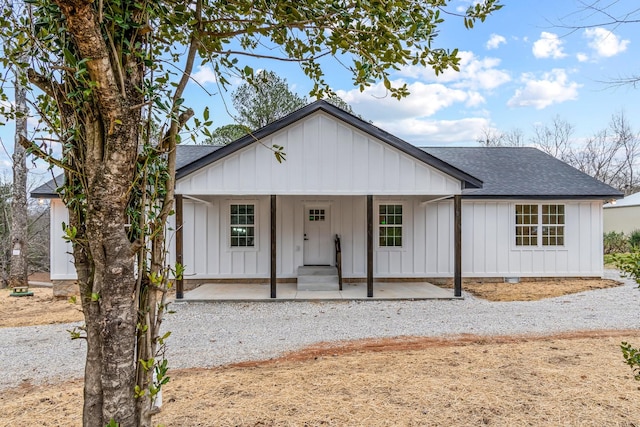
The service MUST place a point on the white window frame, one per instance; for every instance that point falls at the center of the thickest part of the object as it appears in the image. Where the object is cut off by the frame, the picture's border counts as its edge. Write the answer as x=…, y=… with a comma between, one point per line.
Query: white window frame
x=379, y=227
x=544, y=222
x=231, y=203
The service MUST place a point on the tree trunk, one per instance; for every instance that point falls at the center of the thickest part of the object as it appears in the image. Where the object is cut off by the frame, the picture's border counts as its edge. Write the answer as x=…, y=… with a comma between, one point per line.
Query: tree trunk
x=108, y=151
x=18, y=239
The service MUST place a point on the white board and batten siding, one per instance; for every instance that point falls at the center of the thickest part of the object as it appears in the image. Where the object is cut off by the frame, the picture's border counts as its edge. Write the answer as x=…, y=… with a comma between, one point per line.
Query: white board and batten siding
x=489, y=249
x=324, y=156
x=488, y=240
x=61, y=258
x=427, y=246
x=488, y=229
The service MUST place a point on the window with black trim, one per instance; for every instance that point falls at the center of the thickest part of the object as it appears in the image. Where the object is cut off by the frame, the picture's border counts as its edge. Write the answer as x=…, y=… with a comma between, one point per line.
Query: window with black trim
x=242, y=225
x=540, y=225
x=390, y=225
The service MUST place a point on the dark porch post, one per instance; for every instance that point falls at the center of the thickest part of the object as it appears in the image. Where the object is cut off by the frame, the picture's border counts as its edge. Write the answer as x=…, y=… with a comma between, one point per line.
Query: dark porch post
x=369, y=246
x=179, y=238
x=273, y=246
x=457, y=237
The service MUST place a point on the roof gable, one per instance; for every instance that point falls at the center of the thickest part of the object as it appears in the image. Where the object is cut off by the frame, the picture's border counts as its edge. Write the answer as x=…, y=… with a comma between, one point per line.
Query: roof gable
x=468, y=180
x=324, y=156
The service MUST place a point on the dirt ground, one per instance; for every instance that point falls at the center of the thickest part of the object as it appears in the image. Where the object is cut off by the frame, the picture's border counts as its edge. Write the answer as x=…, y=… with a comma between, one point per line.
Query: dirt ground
x=574, y=379
x=535, y=290
x=40, y=309
x=568, y=380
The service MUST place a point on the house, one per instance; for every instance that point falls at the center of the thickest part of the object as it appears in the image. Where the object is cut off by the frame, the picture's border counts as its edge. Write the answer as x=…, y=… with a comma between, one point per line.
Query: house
x=401, y=212
x=623, y=216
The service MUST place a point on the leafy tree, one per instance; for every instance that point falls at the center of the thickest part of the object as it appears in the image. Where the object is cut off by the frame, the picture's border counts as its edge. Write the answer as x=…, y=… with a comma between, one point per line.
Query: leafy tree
x=226, y=134
x=102, y=80
x=266, y=99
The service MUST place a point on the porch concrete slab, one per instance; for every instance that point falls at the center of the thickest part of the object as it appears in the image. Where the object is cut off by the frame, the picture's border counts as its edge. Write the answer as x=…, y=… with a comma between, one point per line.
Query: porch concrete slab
x=289, y=292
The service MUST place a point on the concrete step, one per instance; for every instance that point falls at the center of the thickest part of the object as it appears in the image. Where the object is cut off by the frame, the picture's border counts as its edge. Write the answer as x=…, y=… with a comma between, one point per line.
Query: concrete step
x=318, y=278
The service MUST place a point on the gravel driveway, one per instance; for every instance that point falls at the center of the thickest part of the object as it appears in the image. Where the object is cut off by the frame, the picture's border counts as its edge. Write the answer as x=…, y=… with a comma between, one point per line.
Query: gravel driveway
x=210, y=334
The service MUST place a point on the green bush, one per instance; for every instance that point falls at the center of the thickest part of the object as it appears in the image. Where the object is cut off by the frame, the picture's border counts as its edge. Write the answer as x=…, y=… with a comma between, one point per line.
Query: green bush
x=634, y=239
x=629, y=266
x=615, y=243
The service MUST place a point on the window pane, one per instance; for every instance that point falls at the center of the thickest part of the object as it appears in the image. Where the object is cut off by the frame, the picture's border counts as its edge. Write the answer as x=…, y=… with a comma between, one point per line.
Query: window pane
x=526, y=225
x=390, y=225
x=553, y=233
x=242, y=219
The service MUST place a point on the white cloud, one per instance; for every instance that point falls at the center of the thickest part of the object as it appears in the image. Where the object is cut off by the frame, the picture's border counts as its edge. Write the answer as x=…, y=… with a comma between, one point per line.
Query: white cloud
x=204, y=75
x=374, y=103
x=409, y=117
x=553, y=88
x=604, y=42
x=495, y=41
x=436, y=132
x=582, y=57
x=475, y=73
x=548, y=46
x=475, y=99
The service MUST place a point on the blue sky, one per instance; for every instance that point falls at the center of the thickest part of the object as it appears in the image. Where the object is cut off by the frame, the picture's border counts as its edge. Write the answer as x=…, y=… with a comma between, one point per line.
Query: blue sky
x=519, y=69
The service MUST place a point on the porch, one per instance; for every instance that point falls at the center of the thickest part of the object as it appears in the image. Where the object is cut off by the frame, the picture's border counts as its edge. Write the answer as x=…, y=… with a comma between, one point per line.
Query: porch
x=253, y=292
x=285, y=233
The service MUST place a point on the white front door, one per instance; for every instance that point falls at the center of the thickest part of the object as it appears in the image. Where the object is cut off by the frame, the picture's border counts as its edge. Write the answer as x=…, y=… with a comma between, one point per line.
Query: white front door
x=318, y=244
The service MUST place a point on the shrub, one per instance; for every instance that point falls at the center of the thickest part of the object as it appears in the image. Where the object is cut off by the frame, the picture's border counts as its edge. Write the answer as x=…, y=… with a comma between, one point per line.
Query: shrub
x=617, y=242
x=634, y=239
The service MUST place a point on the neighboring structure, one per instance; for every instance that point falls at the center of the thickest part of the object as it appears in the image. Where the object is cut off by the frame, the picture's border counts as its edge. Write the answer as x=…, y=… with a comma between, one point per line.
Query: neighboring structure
x=623, y=216
x=403, y=213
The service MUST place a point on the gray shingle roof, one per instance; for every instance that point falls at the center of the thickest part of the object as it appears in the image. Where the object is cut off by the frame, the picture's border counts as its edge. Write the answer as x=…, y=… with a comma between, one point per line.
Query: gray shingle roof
x=185, y=155
x=521, y=172
x=499, y=172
